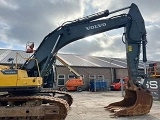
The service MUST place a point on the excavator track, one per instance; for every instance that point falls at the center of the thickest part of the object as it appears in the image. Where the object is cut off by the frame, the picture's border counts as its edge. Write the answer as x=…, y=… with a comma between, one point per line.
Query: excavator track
x=63, y=95
x=32, y=108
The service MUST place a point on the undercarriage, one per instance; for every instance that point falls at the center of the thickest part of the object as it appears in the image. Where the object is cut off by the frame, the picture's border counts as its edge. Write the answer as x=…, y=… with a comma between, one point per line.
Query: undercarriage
x=45, y=105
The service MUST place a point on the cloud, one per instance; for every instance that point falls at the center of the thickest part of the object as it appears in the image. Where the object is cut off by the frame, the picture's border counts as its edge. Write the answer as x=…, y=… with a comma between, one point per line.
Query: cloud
x=149, y=9
x=34, y=20
x=153, y=49
x=21, y=22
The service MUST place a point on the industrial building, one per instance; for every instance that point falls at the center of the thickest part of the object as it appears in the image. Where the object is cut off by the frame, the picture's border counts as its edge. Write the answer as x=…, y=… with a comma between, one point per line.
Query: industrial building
x=89, y=67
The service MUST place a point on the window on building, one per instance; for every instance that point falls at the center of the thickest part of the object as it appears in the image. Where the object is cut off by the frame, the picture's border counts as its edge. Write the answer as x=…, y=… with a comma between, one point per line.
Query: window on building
x=61, y=79
x=92, y=77
x=100, y=77
x=72, y=76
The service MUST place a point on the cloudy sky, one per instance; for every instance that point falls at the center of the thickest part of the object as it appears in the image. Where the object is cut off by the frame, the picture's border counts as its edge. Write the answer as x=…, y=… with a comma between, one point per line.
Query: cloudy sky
x=31, y=20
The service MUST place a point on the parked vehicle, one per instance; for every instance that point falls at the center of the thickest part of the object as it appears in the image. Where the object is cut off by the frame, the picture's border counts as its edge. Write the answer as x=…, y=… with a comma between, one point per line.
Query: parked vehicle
x=116, y=85
x=74, y=84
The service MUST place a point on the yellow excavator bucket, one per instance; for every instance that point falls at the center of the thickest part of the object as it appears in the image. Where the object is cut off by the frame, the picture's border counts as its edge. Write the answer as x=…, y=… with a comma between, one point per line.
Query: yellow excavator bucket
x=137, y=101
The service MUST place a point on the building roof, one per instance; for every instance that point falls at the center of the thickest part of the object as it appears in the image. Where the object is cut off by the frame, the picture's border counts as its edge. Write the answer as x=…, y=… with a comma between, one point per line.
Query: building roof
x=70, y=59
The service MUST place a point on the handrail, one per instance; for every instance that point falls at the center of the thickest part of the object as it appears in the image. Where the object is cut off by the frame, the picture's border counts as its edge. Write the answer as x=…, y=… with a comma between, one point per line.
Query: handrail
x=28, y=60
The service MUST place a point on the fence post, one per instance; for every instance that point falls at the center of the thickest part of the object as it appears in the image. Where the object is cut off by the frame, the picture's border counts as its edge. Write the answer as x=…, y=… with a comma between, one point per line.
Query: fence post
x=122, y=86
x=158, y=90
x=95, y=89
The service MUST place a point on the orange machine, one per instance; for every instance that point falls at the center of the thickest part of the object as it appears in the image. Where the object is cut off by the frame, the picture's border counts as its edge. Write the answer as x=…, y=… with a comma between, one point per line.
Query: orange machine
x=74, y=83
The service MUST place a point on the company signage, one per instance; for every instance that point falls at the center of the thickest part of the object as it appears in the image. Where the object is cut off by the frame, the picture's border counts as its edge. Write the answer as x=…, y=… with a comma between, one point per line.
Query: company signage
x=154, y=86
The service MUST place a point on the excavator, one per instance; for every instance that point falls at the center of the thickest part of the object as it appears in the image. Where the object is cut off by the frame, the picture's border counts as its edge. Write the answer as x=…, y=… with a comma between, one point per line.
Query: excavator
x=27, y=90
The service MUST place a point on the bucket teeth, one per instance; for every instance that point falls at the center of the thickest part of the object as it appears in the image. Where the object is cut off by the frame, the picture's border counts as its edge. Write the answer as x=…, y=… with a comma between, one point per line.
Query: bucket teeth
x=108, y=107
x=116, y=108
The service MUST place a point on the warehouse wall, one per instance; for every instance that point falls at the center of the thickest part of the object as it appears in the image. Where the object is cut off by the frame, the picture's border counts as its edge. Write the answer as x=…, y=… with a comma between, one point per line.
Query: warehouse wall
x=121, y=72
x=87, y=72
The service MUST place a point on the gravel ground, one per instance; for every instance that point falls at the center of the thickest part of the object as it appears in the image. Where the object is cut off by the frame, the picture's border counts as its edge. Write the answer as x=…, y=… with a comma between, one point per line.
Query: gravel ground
x=89, y=106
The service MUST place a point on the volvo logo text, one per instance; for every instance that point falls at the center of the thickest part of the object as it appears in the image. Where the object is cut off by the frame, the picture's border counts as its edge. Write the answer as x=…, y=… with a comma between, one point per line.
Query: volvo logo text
x=96, y=26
